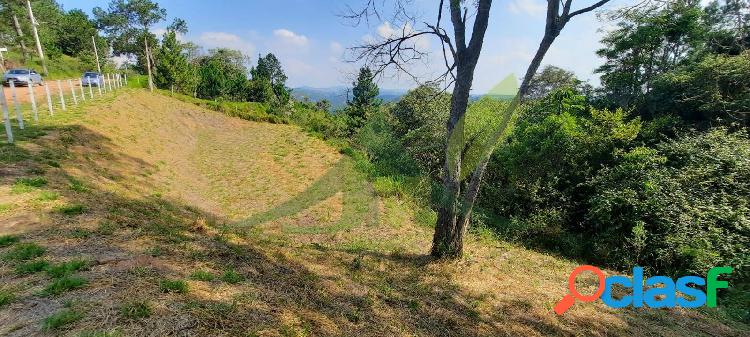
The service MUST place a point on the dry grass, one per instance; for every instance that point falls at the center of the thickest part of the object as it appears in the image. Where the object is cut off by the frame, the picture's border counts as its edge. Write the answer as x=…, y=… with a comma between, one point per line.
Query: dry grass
x=192, y=223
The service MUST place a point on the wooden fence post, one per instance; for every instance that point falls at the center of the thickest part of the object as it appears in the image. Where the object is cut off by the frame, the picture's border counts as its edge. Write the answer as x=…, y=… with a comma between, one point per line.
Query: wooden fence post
x=6, y=118
x=83, y=93
x=19, y=114
x=49, y=99
x=73, y=91
x=62, y=97
x=33, y=101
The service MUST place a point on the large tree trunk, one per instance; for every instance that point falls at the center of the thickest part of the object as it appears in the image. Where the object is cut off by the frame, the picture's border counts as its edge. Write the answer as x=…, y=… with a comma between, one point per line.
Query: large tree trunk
x=450, y=228
x=452, y=216
x=454, y=210
x=21, y=42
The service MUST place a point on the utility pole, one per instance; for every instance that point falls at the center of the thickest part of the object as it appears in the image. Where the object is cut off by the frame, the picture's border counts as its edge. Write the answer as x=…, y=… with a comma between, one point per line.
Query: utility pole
x=19, y=32
x=96, y=54
x=36, y=37
x=2, y=58
x=148, y=64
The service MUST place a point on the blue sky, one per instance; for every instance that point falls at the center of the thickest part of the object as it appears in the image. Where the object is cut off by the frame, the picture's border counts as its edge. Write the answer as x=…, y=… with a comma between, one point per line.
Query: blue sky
x=310, y=39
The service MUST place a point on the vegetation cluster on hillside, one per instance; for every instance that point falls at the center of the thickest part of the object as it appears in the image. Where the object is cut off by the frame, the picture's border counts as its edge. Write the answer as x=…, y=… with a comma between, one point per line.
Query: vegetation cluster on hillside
x=650, y=169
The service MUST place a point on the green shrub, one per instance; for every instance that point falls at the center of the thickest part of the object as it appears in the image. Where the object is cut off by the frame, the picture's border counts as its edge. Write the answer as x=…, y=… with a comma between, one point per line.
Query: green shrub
x=31, y=267
x=24, y=252
x=135, y=309
x=48, y=196
x=7, y=240
x=61, y=285
x=66, y=268
x=6, y=297
x=25, y=185
x=681, y=208
x=77, y=186
x=389, y=186
x=61, y=318
x=173, y=286
x=72, y=209
x=232, y=277
x=202, y=275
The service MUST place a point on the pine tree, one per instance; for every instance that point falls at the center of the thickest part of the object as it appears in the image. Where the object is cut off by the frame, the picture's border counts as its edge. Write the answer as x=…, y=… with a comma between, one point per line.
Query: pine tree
x=173, y=71
x=364, y=101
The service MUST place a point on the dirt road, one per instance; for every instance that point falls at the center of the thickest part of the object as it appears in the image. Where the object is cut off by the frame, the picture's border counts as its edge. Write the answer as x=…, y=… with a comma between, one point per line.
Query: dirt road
x=23, y=95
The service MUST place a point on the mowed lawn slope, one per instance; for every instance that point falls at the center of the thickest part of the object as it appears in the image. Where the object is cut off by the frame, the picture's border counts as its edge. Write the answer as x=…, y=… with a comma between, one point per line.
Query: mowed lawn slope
x=140, y=215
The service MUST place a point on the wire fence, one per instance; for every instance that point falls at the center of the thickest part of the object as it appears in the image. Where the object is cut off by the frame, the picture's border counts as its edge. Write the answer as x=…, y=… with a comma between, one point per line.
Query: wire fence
x=59, y=94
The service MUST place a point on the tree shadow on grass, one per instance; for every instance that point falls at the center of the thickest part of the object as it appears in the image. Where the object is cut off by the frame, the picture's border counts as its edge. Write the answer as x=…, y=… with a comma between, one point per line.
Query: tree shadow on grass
x=359, y=202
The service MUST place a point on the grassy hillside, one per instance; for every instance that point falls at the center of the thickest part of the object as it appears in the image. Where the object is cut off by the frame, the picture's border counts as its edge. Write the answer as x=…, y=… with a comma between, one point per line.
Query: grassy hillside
x=144, y=215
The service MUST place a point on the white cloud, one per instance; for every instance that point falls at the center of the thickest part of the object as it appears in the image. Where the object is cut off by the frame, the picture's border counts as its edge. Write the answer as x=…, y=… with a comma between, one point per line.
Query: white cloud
x=291, y=37
x=529, y=7
x=225, y=40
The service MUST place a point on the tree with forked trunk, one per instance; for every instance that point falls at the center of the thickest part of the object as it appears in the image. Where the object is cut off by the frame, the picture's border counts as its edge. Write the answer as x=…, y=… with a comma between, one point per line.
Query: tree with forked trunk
x=465, y=160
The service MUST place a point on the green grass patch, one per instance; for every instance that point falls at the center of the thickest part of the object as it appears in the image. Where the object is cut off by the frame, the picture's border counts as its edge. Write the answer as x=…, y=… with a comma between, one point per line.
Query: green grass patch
x=5, y=208
x=66, y=268
x=106, y=228
x=31, y=267
x=48, y=196
x=72, y=209
x=135, y=309
x=6, y=297
x=7, y=240
x=24, y=252
x=79, y=233
x=173, y=286
x=202, y=275
x=232, y=277
x=64, y=284
x=77, y=185
x=25, y=185
x=61, y=318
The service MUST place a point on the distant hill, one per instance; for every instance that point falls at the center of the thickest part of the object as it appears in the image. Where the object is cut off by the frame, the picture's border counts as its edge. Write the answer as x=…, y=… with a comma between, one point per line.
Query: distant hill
x=338, y=95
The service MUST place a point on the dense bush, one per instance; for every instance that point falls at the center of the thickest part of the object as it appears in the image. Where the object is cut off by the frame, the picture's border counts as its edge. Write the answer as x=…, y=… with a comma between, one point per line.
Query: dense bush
x=583, y=182
x=420, y=118
x=542, y=169
x=716, y=88
x=680, y=208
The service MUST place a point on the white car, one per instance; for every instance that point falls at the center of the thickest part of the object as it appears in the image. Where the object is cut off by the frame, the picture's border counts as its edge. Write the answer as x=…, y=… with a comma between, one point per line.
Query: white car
x=22, y=77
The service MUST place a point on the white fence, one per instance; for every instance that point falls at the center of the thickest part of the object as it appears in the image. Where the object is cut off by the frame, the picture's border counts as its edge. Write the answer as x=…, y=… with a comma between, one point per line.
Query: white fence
x=104, y=84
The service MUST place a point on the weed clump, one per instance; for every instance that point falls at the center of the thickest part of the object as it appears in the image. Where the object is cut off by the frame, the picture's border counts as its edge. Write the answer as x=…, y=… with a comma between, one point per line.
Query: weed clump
x=202, y=275
x=61, y=318
x=25, y=185
x=72, y=209
x=173, y=286
x=64, y=284
x=232, y=277
x=31, y=267
x=7, y=240
x=24, y=252
x=66, y=268
x=6, y=297
x=135, y=309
